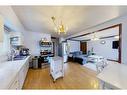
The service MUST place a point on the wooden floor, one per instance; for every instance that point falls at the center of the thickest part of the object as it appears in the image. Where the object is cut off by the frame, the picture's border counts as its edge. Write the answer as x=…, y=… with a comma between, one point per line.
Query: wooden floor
x=76, y=77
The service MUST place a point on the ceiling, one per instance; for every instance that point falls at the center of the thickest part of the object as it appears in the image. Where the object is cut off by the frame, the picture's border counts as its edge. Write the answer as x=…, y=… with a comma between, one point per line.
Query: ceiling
x=76, y=18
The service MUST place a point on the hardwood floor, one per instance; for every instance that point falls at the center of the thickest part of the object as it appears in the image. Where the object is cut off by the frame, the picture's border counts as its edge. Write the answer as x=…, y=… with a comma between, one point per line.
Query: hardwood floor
x=76, y=77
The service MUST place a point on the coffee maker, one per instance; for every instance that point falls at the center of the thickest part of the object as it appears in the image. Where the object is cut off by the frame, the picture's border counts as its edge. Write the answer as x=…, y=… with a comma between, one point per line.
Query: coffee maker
x=24, y=52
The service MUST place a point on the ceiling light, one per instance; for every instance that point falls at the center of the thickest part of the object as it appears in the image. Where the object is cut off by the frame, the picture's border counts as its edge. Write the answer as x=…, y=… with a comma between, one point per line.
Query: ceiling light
x=59, y=28
x=116, y=37
x=94, y=38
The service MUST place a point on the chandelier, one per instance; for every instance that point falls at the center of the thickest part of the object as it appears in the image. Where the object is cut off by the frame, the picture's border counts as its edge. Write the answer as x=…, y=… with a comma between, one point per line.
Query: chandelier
x=59, y=28
x=95, y=38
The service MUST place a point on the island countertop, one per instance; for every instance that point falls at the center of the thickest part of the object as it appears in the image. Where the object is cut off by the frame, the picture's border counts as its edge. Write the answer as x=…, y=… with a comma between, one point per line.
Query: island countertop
x=115, y=74
x=9, y=70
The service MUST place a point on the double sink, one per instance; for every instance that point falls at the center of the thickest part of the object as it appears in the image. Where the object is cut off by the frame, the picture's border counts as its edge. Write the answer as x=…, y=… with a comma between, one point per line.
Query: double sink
x=19, y=57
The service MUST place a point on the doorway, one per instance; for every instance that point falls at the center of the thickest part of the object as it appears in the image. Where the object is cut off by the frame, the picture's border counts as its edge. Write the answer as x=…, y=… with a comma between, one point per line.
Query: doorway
x=83, y=47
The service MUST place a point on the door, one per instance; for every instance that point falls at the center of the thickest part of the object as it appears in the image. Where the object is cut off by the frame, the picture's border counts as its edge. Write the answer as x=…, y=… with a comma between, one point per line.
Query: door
x=83, y=47
x=60, y=50
x=53, y=48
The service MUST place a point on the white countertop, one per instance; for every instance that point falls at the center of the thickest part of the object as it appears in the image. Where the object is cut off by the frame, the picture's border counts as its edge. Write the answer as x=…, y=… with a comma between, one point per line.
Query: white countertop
x=115, y=74
x=57, y=58
x=8, y=72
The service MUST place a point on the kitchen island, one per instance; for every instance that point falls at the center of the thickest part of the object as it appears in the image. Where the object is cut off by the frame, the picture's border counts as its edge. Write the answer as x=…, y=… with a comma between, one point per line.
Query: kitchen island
x=113, y=76
x=13, y=73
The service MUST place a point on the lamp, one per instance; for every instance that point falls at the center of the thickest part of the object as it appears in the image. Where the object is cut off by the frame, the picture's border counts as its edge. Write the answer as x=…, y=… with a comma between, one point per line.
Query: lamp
x=94, y=38
x=116, y=37
x=59, y=28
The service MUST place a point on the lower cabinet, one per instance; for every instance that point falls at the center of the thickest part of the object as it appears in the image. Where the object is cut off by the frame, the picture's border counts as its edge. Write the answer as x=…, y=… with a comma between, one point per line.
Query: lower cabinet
x=20, y=78
x=22, y=74
x=106, y=86
x=56, y=67
x=15, y=84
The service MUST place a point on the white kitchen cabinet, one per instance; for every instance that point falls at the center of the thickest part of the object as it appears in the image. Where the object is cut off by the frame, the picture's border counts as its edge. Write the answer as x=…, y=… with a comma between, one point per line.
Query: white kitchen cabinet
x=22, y=74
x=56, y=67
x=1, y=29
x=113, y=76
x=21, y=77
x=15, y=84
x=106, y=86
x=16, y=38
x=14, y=73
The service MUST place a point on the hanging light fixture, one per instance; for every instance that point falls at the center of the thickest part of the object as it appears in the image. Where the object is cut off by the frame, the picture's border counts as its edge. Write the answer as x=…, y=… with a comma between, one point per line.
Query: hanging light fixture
x=116, y=37
x=59, y=28
x=94, y=38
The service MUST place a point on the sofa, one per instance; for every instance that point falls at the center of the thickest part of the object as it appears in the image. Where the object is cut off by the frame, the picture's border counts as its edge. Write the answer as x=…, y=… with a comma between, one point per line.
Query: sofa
x=78, y=57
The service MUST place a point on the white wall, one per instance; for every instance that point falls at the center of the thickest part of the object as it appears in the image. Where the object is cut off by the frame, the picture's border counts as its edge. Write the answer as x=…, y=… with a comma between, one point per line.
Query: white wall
x=31, y=41
x=61, y=39
x=4, y=47
x=10, y=18
x=12, y=21
x=122, y=20
x=74, y=45
x=104, y=50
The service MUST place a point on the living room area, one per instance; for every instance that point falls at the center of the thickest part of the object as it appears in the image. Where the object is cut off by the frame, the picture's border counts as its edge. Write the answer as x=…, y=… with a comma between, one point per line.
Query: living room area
x=103, y=44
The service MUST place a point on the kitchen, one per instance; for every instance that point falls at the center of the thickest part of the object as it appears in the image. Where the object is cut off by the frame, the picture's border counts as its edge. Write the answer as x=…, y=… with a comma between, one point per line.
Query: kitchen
x=15, y=57
x=15, y=68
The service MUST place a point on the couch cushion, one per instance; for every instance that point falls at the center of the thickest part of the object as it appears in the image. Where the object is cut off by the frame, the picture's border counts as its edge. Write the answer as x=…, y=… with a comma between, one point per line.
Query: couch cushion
x=76, y=53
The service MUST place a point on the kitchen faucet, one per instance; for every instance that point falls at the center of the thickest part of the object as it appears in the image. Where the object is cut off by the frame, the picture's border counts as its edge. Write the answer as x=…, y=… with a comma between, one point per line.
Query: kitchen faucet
x=12, y=54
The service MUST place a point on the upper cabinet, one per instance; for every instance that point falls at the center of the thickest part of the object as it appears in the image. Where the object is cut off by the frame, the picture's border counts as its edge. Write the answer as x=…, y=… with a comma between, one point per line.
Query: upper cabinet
x=16, y=39
x=1, y=29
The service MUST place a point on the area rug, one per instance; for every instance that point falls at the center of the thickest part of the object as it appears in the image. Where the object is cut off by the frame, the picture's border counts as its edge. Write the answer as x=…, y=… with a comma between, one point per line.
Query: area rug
x=91, y=66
